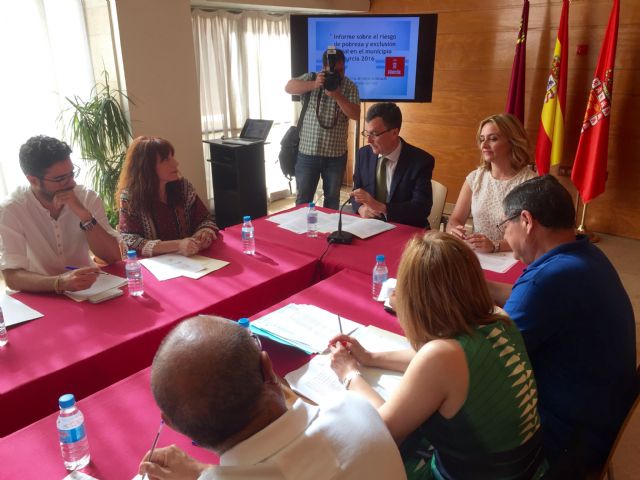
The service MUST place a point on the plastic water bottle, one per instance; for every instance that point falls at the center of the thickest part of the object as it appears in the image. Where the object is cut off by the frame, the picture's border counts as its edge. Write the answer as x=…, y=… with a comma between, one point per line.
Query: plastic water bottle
x=248, y=236
x=312, y=221
x=380, y=274
x=4, y=337
x=244, y=323
x=72, y=434
x=134, y=274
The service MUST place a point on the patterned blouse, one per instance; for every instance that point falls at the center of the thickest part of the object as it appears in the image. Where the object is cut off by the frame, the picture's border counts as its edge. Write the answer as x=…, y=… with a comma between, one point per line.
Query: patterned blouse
x=182, y=216
x=487, y=194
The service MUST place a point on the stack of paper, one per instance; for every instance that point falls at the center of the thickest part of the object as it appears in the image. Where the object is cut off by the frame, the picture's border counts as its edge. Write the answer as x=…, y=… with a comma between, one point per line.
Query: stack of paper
x=296, y=221
x=306, y=327
x=104, y=283
x=319, y=383
x=172, y=265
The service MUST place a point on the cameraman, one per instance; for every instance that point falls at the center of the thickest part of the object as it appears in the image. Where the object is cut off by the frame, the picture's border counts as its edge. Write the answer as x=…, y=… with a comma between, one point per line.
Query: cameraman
x=333, y=100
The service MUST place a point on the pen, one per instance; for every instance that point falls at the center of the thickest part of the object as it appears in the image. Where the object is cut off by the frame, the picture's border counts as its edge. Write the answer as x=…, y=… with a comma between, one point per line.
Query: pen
x=153, y=445
x=340, y=324
x=76, y=268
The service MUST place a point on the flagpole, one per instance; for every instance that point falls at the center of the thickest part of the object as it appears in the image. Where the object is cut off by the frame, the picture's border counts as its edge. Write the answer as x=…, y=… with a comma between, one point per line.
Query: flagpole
x=582, y=228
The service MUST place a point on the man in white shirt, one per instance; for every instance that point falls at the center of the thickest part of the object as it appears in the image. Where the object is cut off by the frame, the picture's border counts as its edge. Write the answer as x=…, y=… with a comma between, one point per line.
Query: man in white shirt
x=213, y=383
x=392, y=179
x=48, y=228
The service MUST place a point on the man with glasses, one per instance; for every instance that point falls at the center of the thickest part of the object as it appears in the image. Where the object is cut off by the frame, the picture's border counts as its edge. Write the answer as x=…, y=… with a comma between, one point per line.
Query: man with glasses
x=392, y=179
x=577, y=323
x=213, y=384
x=323, y=138
x=48, y=228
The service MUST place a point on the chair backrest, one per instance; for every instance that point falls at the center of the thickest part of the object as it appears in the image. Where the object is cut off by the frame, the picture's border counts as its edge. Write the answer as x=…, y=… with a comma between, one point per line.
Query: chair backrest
x=439, y=198
x=607, y=470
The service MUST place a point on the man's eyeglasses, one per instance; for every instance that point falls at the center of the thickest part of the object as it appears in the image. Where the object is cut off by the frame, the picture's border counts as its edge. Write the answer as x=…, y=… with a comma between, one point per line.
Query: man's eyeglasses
x=62, y=178
x=366, y=134
x=503, y=224
x=257, y=340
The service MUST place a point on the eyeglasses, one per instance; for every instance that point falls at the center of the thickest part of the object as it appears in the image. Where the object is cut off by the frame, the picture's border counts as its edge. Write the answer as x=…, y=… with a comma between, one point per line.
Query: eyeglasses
x=62, y=178
x=366, y=134
x=502, y=226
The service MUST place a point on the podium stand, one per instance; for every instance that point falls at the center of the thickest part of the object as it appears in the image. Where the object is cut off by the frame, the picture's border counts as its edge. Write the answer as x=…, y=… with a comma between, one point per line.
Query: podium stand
x=239, y=186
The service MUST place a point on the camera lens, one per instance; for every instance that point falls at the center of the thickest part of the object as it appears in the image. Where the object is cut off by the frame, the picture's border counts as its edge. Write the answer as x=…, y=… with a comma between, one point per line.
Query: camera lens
x=331, y=81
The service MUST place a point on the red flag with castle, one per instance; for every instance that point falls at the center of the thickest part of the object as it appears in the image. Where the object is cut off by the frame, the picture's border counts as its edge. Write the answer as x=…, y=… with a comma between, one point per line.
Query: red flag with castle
x=515, y=97
x=551, y=132
x=589, y=172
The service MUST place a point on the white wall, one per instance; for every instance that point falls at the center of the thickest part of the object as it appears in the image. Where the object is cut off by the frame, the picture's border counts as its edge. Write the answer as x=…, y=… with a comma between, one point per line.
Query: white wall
x=156, y=41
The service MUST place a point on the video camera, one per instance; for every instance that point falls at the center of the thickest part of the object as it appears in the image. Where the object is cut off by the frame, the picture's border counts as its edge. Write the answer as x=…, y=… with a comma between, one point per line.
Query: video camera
x=331, y=78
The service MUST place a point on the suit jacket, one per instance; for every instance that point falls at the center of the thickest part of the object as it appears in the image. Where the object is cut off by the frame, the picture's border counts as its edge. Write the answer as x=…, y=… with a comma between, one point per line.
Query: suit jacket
x=410, y=198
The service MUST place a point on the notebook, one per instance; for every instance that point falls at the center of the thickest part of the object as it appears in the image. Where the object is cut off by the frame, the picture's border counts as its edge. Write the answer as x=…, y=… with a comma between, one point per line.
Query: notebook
x=253, y=131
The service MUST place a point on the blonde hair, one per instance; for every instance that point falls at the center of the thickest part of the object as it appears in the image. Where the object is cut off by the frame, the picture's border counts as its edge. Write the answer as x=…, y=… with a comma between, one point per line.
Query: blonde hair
x=441, y=290
x=512, y=129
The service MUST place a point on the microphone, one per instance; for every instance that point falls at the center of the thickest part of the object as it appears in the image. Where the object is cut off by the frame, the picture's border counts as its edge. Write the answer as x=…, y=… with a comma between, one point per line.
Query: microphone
x=339, y=236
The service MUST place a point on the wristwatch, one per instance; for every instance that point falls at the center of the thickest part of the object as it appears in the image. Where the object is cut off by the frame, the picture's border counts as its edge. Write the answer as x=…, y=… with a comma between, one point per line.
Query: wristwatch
x=89, y=224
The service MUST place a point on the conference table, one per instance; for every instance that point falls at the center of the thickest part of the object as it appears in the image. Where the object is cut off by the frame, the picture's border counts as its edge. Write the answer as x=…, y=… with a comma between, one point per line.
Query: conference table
x=84, y=347
x=122, y=419
x=359, y=256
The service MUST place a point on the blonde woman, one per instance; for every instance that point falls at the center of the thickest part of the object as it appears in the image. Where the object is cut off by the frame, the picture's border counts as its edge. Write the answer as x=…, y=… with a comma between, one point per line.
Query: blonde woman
x=468, y=389
x=505, y=162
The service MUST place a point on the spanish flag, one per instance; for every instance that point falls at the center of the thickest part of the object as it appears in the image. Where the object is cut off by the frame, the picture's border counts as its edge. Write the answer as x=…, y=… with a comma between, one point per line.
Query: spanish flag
x=589, y=172
x=551, y=133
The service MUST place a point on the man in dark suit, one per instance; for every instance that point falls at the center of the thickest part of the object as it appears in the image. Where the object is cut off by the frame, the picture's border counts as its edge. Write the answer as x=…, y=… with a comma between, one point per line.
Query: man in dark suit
x=392, y=179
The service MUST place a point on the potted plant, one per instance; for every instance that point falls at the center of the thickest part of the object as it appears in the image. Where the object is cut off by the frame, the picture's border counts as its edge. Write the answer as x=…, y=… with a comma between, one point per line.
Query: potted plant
x=101, y=129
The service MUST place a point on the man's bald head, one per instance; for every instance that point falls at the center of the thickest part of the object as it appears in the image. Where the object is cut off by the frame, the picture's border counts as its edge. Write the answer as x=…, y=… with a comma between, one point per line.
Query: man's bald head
x=206, y=378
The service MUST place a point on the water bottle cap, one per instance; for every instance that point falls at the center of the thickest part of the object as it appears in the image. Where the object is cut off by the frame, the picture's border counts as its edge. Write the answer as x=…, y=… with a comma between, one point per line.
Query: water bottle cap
x=246, y=218
x=131, y=254
x=67, y=400
x=312, y=205
x=379, y=258
x=244, y=322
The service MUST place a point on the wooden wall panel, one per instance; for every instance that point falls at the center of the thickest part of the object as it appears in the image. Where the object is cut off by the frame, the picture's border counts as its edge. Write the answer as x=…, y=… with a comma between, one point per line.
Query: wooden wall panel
x=474, y=54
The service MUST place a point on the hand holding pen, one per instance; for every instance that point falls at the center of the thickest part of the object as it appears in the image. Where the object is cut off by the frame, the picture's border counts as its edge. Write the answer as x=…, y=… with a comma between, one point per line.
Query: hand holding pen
x=77, y=279
x=170, y=463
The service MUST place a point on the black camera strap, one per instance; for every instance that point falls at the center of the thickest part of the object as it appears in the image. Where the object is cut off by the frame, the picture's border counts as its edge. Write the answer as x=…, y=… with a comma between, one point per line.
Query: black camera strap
x=335, y=116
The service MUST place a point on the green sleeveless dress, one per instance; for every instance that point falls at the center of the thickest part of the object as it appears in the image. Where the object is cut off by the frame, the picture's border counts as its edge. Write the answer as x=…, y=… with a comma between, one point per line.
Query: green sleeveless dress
x=496, y=434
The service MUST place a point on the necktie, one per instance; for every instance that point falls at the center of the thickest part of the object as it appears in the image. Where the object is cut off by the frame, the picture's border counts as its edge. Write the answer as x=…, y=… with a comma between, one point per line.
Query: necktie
x=381, y=180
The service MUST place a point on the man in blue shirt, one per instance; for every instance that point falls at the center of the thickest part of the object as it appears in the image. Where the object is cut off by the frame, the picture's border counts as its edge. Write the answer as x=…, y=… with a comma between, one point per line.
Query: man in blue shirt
x=577, y=323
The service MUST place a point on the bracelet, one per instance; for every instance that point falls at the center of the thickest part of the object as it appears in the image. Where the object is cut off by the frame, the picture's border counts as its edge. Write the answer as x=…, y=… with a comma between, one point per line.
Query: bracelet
x=346, y=381
x=56, y=285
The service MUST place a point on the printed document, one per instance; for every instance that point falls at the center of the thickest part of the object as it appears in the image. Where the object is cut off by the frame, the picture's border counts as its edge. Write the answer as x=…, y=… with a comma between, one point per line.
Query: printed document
x=172, y=265
x=105, y=282
x=319, y=383
x=499, y=262
x=306, y=327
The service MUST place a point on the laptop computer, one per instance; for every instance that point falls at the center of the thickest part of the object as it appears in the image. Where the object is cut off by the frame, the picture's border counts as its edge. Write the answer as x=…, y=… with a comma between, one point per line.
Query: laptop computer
x=253, y=131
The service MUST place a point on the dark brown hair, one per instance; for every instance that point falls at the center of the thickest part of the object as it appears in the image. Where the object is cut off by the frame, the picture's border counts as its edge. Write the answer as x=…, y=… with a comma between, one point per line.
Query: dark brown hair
x=139, y=176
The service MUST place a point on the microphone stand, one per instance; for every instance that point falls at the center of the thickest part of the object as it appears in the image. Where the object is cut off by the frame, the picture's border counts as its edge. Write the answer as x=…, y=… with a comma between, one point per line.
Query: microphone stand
x=344, y=238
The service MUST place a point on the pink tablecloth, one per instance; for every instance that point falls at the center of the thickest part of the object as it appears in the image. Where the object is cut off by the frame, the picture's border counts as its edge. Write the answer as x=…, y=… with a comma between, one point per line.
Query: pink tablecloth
x=359, y=256
x=81, y=347
x=121, y=420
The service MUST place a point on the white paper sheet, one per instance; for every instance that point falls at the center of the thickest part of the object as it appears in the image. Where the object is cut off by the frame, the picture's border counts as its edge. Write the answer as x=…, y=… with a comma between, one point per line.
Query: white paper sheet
x=364, y=227
x=77, y=475
x=105, y=282
x=318, y=382
x=16, y=312
x=296, y=221
x=499, y=262
x=306, y=326
x=170, y=265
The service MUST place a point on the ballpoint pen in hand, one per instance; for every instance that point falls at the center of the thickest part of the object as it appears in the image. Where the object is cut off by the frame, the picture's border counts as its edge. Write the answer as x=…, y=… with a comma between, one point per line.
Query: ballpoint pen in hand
x=340, y=324
x=76, y=268
x=153, y=445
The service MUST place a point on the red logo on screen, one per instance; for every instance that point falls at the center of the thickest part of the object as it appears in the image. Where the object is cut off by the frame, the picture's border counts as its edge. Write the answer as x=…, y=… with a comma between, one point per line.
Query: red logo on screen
x=394, y=67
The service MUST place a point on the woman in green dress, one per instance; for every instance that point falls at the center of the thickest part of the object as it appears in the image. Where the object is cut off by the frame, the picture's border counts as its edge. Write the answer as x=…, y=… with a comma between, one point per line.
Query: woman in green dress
x=466, y=406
